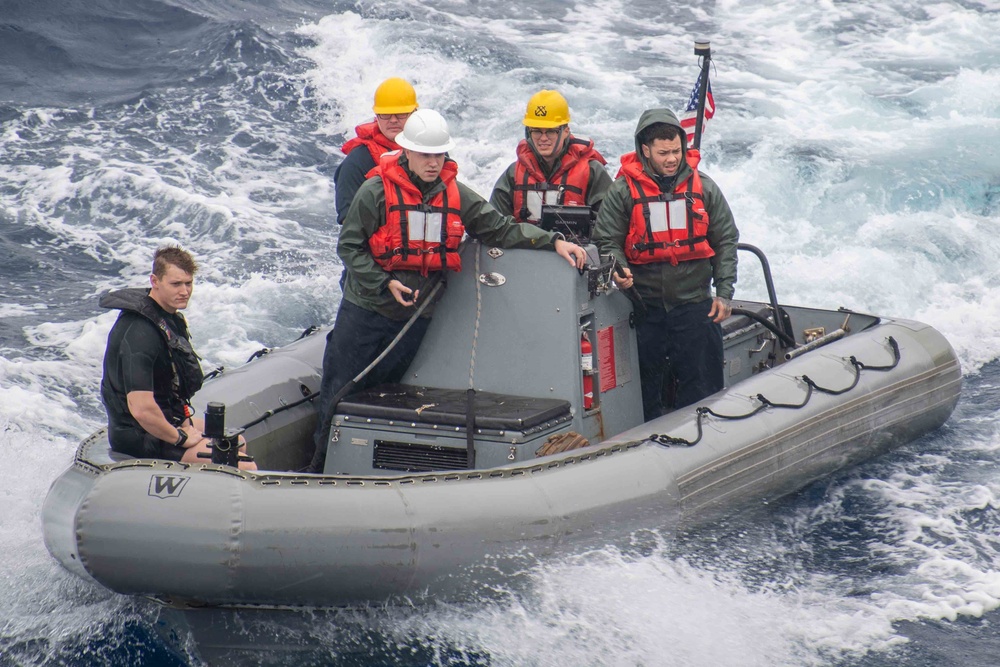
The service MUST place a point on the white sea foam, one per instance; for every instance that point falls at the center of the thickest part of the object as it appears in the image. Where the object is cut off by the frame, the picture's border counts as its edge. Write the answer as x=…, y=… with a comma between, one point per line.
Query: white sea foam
x=852, y=141
x=41, y=606
x=607, y=608
x=952, y=568
x=20, y=310
x=828, y=190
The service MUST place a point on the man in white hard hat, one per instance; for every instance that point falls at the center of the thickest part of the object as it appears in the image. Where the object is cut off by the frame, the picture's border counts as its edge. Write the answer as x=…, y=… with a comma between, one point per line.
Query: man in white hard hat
x=406, y=223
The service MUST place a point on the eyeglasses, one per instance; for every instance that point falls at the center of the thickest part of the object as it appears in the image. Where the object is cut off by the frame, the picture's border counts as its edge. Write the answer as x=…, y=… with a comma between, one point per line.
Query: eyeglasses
x=393, y=116
x=550, y=133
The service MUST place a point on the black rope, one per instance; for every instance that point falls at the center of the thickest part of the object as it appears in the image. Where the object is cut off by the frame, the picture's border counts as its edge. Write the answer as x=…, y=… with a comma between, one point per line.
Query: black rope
x=274, y=411
x=668, y=440
x=787, y=341
x=259, y=353
x=309, y=331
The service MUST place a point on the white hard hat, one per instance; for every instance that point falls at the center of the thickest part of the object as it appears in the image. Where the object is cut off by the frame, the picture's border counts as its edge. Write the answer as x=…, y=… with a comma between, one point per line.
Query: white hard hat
x=426, y=131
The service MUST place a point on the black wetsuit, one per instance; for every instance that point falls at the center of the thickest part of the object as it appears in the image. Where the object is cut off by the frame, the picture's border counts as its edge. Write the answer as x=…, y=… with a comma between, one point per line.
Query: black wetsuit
x=138, y=358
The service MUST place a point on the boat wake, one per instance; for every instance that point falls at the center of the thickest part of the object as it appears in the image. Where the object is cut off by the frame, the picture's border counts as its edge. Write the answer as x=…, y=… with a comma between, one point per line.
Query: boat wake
x=851, y=141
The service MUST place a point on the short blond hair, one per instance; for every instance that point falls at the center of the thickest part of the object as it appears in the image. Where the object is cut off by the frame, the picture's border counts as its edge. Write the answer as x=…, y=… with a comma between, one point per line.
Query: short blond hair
x=174, y=256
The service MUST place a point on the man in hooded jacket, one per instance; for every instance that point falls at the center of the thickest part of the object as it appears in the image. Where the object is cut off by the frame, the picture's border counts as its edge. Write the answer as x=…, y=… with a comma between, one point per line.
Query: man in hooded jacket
x=672, y=231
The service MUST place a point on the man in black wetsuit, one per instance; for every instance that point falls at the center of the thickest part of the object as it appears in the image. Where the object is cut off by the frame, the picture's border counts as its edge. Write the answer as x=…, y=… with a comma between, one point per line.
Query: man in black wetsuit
x=150, y=369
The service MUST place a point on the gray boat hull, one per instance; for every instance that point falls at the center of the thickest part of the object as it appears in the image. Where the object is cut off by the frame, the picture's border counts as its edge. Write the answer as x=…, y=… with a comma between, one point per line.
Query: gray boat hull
x=210, y=535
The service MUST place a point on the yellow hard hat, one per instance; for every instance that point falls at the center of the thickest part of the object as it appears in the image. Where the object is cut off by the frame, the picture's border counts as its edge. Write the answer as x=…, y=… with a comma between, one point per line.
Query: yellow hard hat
x=395, y=96
x=546, y=108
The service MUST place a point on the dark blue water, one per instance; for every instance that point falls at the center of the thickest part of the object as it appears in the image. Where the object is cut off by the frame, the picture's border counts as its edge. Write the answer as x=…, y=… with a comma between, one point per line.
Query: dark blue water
x=853, y=142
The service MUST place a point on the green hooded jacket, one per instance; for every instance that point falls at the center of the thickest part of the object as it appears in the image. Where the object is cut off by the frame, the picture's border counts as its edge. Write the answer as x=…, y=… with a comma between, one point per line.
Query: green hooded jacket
x=367, y=283
x=660, y=284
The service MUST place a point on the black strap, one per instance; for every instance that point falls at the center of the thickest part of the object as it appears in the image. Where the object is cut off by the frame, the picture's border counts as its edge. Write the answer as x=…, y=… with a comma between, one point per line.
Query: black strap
x=764, y=402
x=443, y=247
x=673, y=244
x=563, y=188
x=524, y=213
x=689, y=196
x=544, y=186
x=404, y=228
x=665, y=196
x=643, y=200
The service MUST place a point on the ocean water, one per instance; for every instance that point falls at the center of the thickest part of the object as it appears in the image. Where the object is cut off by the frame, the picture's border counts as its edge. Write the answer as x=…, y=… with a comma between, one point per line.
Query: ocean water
x=857, y=142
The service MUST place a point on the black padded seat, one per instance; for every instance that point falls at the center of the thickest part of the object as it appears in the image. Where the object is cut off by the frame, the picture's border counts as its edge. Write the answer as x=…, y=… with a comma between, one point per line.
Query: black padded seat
x=428, y=405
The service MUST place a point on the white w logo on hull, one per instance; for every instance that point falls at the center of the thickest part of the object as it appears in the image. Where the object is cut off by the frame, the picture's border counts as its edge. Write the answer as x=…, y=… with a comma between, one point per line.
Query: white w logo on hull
x=167, y=486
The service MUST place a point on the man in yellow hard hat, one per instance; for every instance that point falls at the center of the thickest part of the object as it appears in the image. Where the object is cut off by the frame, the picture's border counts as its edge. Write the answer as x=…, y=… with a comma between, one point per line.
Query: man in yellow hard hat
x=395, y=100
x=552, y=166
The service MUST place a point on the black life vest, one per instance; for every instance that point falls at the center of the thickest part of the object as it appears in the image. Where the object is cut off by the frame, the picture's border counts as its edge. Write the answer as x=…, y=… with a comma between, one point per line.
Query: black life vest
x=188, y=376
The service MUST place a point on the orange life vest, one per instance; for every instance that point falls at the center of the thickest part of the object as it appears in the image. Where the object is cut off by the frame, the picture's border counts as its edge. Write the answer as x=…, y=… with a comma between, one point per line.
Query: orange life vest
x=417, y=236
x=665, y=227
x=567, y=185
x=371, y=137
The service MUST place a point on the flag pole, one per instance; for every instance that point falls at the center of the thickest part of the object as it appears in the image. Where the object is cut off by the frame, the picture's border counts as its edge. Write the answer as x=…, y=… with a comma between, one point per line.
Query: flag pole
x=702, y=48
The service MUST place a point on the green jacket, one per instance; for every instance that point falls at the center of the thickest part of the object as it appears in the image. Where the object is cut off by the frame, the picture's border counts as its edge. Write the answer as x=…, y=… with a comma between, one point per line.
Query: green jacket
x=367, y=283
x=661, y=284
x=502, y=198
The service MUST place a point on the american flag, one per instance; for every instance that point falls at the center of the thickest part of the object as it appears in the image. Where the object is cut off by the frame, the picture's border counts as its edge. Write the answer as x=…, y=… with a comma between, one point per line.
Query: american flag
x=690, y=115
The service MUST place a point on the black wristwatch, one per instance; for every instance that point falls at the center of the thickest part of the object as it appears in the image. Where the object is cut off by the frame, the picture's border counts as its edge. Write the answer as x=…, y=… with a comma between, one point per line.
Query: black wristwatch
x=182, y=437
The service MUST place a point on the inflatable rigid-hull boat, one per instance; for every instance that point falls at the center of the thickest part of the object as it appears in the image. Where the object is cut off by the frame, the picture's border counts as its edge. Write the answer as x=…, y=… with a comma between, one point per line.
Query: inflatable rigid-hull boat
x=428, y=486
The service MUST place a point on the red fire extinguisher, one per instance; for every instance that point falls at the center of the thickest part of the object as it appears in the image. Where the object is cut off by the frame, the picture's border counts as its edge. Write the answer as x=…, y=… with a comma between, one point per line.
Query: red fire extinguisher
x=587, y=364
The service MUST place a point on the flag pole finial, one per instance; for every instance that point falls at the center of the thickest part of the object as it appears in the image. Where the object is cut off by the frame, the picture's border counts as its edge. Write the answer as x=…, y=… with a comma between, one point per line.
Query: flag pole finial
x=702, y=48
